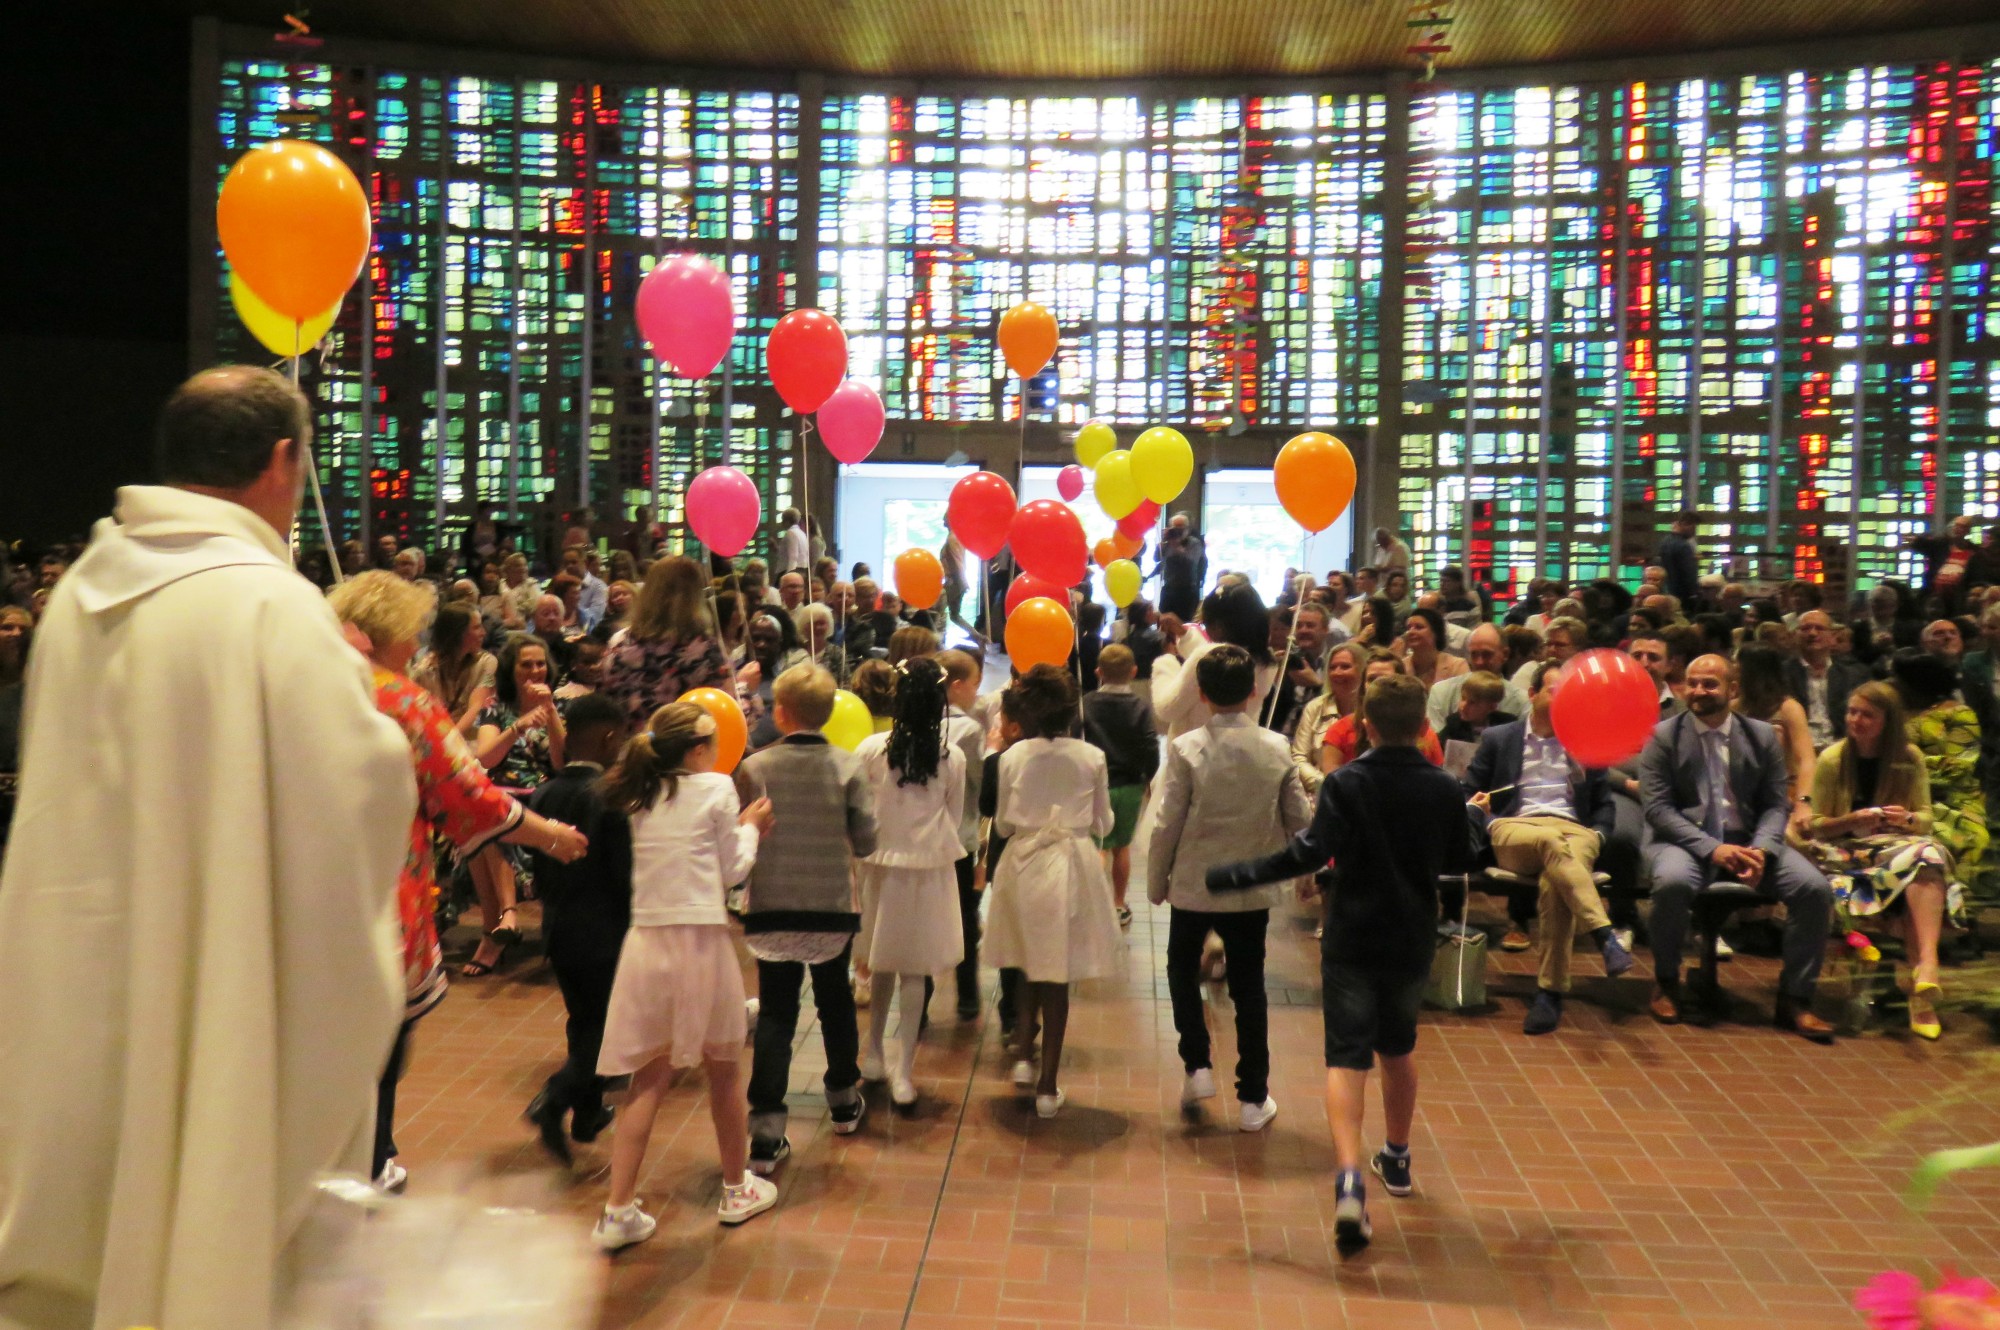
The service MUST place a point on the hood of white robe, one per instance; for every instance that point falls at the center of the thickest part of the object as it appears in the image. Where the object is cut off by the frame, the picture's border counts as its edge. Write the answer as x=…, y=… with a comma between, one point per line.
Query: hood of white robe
x=160, y=535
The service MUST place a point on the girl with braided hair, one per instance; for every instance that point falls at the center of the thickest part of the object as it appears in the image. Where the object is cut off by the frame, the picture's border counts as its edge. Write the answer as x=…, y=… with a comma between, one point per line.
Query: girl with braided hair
x=910, y=924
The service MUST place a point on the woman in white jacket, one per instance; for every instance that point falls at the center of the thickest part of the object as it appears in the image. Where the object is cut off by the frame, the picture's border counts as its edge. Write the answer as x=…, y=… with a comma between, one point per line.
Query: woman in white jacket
x=909, y=886
x=1234, y=614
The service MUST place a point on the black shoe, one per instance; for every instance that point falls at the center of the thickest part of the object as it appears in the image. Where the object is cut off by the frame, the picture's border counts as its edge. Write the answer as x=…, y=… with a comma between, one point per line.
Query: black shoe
x=969, y=1011
x=765, y=1156
x=847, y=1117
x=1394, y=1170
x=547, y=1115
x=587, y=1127
x=1545, y=1013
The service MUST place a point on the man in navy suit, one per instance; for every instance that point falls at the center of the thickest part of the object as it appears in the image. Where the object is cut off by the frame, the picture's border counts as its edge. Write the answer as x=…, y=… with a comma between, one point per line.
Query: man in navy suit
x=1547, y=818
x=1715, y=788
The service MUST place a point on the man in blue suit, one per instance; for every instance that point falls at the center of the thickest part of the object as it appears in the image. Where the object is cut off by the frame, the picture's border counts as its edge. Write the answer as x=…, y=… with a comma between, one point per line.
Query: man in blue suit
x=1715, y=789
x=1547, y=818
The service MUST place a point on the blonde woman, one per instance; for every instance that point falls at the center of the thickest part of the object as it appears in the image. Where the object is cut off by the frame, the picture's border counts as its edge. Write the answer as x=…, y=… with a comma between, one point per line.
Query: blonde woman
x=1871, y=801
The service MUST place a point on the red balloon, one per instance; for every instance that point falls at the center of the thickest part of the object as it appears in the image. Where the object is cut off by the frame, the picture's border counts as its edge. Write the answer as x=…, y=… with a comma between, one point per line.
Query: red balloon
x=807, y=356
x=1135, y=524
x=1027, y=586
x=1048, y=542
x=1605, y=707
x=980, y=513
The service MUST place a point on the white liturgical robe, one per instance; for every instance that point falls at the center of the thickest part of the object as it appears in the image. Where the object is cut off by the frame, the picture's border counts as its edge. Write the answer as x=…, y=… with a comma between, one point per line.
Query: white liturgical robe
x=200, y=973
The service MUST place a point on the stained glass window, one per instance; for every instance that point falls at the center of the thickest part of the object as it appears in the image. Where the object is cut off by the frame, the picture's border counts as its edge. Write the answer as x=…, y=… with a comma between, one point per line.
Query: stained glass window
x=1767, y=297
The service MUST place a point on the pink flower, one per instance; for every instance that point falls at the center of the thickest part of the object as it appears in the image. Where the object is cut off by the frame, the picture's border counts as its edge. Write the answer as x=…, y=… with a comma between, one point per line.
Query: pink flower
x=1890, y=1301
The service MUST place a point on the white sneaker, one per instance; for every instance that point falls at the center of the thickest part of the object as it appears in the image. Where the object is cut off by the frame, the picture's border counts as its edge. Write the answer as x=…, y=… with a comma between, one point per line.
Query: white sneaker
x=1048, y=1105
x=902, y=1091
x=622, y=1228
x=1723, y=951
x=1255, y=1117
x=751, y=1199
x=872, y=1068
x=1624, y=936
x=1199, y=1085
x=1024, y=1075
x=392, y=1179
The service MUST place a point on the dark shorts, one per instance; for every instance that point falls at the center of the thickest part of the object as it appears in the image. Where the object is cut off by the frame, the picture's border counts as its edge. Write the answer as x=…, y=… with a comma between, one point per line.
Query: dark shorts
x=1368, y=1011
x=1125, y=802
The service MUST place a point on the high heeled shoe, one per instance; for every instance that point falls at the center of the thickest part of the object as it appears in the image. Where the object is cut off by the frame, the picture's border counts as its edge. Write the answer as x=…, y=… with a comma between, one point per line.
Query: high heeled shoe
x=1923, y=1016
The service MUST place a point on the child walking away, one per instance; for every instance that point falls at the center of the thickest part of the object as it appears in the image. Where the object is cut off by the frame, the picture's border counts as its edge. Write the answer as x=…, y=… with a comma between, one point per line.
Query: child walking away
x=1392, y=823
x=1051, y=913
x=1119, y=722
x=678, y=998
x=909, y=889
x=1230, y=787
x=962, y=674
x=586, y=909
x=799, y=912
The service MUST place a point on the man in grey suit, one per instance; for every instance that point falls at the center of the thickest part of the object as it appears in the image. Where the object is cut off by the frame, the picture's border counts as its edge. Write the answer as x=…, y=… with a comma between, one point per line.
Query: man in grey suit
x=1714, y=786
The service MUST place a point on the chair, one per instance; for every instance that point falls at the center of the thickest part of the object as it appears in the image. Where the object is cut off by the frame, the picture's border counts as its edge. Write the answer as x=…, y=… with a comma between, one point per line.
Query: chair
x=1712, y=907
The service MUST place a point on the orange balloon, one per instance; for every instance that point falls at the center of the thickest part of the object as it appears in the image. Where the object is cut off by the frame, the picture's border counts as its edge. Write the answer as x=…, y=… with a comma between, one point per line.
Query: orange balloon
x=1124, y=545
x=919, y=578
x=732, y=734
x=1105, y=552
x=1028, y=338
x=1039, y=633
x=1314, y=475
x=294, y=222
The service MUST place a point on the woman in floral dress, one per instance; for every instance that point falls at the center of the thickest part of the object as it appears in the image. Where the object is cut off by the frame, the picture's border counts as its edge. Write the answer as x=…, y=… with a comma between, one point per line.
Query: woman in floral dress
x=1870, y=833
x=455, y=800
x=519, y=740
x=669, y=647
x=1946, y=732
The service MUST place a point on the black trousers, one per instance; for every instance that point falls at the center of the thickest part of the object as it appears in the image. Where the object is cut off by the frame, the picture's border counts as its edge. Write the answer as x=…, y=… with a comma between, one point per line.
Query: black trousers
x=1242, y=934
x=778, y=984
x=385, y=1100
x=968, y=918
x=584, y=975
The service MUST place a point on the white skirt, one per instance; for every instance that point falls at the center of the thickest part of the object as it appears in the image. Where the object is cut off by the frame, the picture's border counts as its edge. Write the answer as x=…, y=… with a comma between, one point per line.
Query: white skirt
x=678, y=995
x=1051, y=913
x=909, y=919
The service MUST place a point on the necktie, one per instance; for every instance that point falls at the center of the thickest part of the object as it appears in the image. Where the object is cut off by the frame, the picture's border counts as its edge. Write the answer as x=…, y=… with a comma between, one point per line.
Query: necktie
x=1718, y=782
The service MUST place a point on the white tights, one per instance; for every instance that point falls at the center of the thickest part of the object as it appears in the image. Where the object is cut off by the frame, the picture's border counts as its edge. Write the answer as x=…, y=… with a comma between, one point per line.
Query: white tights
x=881, y=987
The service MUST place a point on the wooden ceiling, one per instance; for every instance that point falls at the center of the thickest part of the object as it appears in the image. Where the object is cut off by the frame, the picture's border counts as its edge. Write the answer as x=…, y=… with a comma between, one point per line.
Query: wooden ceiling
x=1095, y=39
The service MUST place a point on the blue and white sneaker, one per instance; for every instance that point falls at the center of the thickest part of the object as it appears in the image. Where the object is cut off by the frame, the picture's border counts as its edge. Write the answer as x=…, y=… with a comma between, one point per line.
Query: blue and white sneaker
x=1394, y=1170
x=1351, y=1228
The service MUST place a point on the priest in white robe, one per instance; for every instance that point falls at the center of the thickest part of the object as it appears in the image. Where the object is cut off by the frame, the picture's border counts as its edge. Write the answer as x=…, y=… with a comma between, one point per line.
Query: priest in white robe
x=199, y=964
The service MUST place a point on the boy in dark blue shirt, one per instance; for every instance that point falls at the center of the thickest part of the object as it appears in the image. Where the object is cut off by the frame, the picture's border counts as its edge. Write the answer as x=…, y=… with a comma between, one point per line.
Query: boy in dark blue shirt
x=1391, y=824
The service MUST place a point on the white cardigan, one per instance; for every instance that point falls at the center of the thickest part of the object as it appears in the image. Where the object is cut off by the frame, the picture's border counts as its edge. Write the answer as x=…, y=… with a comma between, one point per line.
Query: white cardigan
x=1177, y=699
x=688, y=851
x=917, y=826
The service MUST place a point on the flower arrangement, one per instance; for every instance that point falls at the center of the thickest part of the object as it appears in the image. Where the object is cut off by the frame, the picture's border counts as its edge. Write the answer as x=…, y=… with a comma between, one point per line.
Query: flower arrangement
x=1898, y=1300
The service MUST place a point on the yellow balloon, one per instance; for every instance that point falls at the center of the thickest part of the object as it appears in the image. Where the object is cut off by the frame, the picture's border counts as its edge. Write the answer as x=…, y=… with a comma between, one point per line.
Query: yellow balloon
x=278, y=334
x=850, y=722
x=1116, y=488
x=1093, y=441
x=1162, y=463
x=1121, y=581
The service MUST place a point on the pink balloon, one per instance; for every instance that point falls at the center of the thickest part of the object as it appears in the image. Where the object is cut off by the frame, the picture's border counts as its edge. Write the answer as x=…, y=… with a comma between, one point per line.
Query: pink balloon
x=724, y=509
x=851, y=421
x=1069, y=481
x=687, y=314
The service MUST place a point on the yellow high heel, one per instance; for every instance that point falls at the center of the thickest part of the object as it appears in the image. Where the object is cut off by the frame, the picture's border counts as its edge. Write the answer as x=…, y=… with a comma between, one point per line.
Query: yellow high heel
x=1921, y=992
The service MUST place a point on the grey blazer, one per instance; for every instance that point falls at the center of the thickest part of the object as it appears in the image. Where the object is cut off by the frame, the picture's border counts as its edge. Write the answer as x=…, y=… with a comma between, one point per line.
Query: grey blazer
x=1229, y=791
x=1670, y=784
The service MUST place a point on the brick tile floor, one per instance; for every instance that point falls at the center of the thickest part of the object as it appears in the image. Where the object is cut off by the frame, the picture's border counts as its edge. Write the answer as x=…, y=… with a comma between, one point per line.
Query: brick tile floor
x=1614, y=1174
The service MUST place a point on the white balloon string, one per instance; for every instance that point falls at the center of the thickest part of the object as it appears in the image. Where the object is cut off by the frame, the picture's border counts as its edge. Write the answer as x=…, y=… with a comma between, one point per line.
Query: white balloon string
x=312, y=474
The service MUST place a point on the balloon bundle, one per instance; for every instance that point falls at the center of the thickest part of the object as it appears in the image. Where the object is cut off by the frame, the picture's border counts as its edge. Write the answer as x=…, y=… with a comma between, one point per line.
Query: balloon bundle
x=295, y=227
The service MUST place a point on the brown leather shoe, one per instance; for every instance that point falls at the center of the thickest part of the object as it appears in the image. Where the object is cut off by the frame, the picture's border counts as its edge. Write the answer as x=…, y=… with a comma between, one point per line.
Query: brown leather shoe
x=1804, y=1024
x=1516, y=940
x=1665, y=1010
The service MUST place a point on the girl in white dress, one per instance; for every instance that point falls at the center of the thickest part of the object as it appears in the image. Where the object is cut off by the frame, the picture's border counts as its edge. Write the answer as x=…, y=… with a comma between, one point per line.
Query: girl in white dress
x=909, y=886
x=1051, y=914
x=678, y=996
